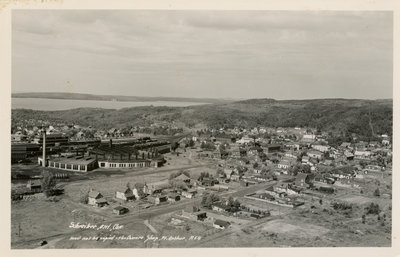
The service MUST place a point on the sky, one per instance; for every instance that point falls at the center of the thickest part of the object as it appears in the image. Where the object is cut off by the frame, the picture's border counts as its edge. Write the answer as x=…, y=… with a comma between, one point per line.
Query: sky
x=204, y=54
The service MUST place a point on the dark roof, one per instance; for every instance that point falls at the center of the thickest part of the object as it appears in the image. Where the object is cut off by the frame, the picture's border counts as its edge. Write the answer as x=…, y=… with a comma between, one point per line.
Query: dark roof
x=119, y=208
x=128, y=192
x=222, y=223
x=182, y=177
x=101, y=200
x=73, y=160
x=94, y=194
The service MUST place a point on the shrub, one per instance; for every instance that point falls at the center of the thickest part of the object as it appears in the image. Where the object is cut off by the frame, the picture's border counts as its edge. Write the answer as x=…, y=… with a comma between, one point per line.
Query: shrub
x=372, y=209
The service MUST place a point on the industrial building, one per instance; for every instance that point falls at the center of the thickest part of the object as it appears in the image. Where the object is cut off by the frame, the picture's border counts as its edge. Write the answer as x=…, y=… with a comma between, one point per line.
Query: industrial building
x=22, y=151
x=72, y=163
x=53, y=140
x=123, y=156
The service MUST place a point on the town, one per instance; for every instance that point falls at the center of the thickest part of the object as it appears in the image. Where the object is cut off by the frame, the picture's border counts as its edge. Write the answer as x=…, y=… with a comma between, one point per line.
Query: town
x=255, y=186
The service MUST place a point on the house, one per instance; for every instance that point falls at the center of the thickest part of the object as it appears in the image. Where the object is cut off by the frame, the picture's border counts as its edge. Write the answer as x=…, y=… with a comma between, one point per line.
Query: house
x=155, y=187
x=235, y=177
x=138, y=190
x=95, y=198
x=345, y=145
x=315, y=154
x=127, y=195
x=157, y=199
x=120, y=210
x=221, y=224
x=18, y=136
x=220, y=207
x=208, y=182
x=34, y=186
x=321, y=179
x=182, y=178
x=308, y=138
x=244, y=140
x=291, y=155
x=265, y=196
x=198, y=216
x=284, y=164
x=285, y=188
x=246, y=183
x=362, y=154
x=348, y=155
x=272, y=148
x=321, y=148
x=173, y=197
x=305, y=160
x=189, y=194
x=195, y=214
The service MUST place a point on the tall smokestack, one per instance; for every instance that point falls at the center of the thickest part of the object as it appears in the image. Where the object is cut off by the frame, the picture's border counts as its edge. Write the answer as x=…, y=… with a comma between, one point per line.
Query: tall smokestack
x=44, y=148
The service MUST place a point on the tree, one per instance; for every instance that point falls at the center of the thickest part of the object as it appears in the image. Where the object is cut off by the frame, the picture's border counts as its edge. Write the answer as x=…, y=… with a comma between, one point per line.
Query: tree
x=191, y=143
x=178, y=185
x=294, y=170
x=220, y=172
x=363, y=164
x=372, y=209
x=377, y=193
x=230, y=201
x=255, y=165
x=306, y=168
x=174, y=146
x=48, y=182
x=209, y=199
x=203, y=175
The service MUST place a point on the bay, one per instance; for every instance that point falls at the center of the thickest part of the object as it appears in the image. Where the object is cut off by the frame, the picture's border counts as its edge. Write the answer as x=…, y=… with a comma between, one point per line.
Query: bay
x=47, y=104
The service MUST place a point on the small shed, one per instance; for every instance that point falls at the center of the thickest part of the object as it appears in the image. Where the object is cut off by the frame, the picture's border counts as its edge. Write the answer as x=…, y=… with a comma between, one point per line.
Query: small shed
x=120, y=210
x=221, y=224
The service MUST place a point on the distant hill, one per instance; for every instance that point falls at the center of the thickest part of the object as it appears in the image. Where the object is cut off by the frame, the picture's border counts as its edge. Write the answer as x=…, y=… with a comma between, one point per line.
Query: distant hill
x=78, y=96
x=364, y=117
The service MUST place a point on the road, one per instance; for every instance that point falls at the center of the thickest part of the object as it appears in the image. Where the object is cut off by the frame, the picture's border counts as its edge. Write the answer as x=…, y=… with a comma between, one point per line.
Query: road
x=139, y=173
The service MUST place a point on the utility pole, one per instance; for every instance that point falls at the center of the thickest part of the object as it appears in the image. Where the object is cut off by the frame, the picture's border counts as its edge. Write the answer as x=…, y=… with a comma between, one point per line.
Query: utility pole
x=44, y=147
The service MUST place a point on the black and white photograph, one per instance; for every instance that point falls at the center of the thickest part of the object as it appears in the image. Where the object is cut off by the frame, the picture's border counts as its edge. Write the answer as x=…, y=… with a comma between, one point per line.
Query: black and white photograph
x=150, y=128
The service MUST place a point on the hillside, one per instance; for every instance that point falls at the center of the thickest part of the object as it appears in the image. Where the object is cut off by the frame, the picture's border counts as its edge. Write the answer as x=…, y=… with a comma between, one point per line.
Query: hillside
x=364, y=117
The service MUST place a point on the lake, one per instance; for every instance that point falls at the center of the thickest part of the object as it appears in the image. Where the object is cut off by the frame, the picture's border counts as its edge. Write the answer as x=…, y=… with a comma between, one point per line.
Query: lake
x=46, y=104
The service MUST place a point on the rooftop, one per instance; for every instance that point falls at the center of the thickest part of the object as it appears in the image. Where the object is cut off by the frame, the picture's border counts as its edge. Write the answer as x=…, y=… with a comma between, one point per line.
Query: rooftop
x=77, y=160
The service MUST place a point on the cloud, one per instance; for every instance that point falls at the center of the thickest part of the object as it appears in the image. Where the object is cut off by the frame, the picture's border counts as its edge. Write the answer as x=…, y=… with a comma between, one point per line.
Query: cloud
x=201, y=50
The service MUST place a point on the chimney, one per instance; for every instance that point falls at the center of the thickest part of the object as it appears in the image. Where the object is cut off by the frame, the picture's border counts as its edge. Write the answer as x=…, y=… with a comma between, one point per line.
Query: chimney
x=44, y=148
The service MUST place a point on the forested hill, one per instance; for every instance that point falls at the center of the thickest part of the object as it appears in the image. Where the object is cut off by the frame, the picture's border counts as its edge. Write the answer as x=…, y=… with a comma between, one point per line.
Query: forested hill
x=364, y=117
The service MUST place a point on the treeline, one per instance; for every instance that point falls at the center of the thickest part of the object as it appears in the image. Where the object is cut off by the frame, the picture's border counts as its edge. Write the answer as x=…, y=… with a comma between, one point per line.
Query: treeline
x=366, y=118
